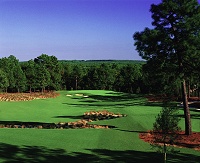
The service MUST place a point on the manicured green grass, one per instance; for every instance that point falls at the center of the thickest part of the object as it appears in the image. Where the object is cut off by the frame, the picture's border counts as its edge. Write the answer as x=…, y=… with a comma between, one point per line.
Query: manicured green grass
x=120, y=144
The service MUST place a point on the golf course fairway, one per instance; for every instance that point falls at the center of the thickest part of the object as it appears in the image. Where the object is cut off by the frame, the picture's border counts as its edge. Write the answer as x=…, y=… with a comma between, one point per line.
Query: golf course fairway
x=120, y=143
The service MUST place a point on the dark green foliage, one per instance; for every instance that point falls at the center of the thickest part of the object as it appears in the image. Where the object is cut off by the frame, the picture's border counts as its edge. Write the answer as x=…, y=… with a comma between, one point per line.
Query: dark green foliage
x=3, y=80
x=47, y=73
x=30, y=72
x=20, y=79
x=103, y=75
x=167, y=122
x=172, y=45
x=65, y=76
x=166, y=130
x=14, y=74
x=7, y=66
x=43, y=77
x=76, y=77
x=129, y=78
x=52, y=65
x=161, y=79
x=124, y=76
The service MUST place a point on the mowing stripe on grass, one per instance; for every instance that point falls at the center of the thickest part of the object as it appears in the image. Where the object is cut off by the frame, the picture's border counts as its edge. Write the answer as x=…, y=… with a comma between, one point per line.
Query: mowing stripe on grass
x=93, y=144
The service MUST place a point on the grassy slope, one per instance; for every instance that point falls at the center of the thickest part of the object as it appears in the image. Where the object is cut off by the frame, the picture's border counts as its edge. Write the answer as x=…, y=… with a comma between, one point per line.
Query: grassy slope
x=116, y=144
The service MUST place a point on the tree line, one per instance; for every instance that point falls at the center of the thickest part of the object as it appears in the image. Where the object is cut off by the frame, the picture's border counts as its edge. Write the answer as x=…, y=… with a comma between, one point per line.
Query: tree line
x=48, y=73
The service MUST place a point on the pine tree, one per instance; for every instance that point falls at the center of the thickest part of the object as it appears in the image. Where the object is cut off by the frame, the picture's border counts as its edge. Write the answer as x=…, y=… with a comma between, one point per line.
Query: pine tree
x=174, y=41
x=165, y=130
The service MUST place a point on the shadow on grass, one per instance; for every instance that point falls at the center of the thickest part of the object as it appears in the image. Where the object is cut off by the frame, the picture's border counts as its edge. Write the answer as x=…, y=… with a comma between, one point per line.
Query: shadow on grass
x=123, y=130
x=119, y=100
x=117, y=97
x=40, y=125
x=93, y=104
x=24, y=123
x=128, y=99
x=125, y=99
x=193, y=115
x=39, y=154
x=68, y=116
x=157, y=104
x=110, y=97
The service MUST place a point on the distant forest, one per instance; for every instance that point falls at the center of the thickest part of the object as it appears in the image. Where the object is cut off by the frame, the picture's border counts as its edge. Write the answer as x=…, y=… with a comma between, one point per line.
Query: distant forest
x=47, y=73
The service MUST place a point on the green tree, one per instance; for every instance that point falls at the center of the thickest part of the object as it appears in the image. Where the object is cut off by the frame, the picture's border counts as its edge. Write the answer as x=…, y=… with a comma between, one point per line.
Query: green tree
x=14, y=73
x=157, y=78
x=115, y=68
x=65, y=77
x=42, y=77
x=20, y=78
x=3, y=80
x=128, y=78
x=76, y=76
x=165, y=130
x=30, y=73
x=175, y=40
x=8, y=65
x=105, y=76
x=53, y=66
x=91, y=79
x=100, y=77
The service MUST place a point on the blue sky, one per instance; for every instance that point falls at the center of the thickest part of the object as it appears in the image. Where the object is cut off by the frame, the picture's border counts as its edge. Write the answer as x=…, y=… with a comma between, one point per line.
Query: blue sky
x=72, y=29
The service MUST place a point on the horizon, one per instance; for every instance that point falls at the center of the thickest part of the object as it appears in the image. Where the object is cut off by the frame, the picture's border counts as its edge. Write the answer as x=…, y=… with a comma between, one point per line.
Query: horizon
x=91, y=60
x=73, y=29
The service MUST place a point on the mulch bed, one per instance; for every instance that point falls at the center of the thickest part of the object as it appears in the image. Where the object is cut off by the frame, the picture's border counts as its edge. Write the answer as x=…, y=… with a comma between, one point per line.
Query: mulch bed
x=194, y=99
x=187, y=141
